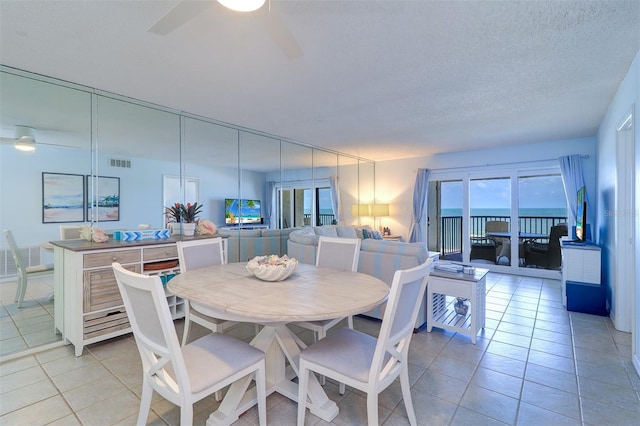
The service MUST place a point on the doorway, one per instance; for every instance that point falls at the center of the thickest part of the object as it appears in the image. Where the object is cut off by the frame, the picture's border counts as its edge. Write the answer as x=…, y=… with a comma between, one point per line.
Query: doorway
x=622, y=313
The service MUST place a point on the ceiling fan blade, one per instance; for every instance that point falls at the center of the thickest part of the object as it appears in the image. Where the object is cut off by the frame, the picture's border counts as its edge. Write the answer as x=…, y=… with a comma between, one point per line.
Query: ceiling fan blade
x=281, y=36
x=8, y=140
x=57, y=145
x=181, y=13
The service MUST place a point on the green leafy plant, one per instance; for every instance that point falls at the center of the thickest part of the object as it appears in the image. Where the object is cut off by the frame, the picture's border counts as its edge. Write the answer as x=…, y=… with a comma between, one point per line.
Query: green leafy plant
x=190, y=212
x=174, y=213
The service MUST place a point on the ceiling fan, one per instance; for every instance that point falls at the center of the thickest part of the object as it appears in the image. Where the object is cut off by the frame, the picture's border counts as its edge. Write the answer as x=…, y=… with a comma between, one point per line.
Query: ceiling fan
x=273, y=23
x=25, y=140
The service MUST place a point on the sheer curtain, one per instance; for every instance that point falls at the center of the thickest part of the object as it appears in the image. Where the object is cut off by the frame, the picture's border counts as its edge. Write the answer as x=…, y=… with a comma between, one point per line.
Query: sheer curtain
x=336, y=205
x=269, y=205
x=416, y=232
x=572, y=179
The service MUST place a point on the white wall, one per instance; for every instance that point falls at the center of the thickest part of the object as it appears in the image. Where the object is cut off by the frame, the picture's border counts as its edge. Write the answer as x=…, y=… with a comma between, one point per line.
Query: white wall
x=395, y=179
x=626, y=98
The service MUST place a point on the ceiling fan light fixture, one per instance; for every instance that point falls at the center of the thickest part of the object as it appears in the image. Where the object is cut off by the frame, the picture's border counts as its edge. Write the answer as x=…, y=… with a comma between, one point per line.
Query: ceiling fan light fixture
x=242, y=5
x=25, y=145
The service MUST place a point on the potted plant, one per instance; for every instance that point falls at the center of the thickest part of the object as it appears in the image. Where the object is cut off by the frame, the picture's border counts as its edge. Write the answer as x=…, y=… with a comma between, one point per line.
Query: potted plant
x=189, y=214
x=174, y=218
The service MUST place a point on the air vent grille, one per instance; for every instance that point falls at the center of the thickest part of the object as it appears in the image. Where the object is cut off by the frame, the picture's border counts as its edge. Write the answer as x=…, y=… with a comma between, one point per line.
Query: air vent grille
x=115, y=162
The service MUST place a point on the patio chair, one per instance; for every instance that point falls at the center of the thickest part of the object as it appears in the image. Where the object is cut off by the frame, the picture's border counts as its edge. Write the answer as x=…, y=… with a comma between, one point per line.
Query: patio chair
x=546, y=255
x=182, y=375
x=24, y=271
x=483, y=250
x=196, y=254
x=367, y=363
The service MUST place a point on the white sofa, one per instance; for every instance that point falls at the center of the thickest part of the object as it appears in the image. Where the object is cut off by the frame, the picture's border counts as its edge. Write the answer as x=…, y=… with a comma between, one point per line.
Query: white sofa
x=245, y=244
x=378, y=258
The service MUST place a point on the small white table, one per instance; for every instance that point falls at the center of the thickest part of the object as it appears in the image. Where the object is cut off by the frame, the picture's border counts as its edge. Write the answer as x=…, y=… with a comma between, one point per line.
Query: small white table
x=312, y=293
x=467, y=286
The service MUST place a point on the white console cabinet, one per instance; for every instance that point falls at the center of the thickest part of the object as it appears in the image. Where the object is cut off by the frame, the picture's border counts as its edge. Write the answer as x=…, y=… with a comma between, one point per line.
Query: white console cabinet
x=581, y=264
x=93, y=309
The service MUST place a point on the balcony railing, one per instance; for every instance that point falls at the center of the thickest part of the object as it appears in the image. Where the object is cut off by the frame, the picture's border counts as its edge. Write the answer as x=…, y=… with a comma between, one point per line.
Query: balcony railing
x=451, y=228
x=322, y=218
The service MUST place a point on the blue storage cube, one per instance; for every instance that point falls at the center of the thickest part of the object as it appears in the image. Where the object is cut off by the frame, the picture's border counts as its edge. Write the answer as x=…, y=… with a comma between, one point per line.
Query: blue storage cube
x=587, y=298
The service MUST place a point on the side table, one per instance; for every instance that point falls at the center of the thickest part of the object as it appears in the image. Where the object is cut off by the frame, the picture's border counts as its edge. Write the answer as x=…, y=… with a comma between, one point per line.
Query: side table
x=467, y=286
x=392, y=237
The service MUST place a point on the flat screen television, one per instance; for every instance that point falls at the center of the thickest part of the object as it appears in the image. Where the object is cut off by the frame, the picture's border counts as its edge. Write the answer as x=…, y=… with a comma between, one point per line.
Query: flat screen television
x=237, y=212
x=581, y=214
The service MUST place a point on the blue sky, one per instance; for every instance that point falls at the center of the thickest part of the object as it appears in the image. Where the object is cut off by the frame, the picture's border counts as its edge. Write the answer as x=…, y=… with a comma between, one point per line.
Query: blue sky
x=534, y=192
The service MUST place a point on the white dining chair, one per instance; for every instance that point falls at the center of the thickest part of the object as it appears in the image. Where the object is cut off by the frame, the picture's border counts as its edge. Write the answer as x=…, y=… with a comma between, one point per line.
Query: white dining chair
x=196, y=254
x=24, y=271
x=70, y=232
x=182, y=375
x=364, y=362
x=337, y=253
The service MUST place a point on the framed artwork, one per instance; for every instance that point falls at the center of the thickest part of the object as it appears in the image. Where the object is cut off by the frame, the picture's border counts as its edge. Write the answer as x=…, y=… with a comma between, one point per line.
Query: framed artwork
x=105, y=205
x=62, y=197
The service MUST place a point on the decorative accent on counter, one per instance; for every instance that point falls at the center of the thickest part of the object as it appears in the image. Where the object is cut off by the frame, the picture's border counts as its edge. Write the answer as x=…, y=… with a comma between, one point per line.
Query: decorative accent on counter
x=206, y=227
x=94, y=234
x=147, y=234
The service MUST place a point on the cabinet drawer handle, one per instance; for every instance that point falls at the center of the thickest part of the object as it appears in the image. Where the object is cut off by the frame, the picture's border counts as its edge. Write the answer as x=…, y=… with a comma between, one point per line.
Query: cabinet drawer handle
x=114, y=313
x=114, y=258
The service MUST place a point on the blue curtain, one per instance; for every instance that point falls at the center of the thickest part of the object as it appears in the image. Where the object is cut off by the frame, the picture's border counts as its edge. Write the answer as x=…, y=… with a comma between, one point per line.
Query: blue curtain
x=416, y=232
x=336, y=205
x=572, y=179
x=269, y=205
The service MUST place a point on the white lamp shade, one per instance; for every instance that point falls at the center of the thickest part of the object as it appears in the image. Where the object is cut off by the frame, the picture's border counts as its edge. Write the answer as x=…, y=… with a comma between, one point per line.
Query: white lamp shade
x=360, y=210
x=379, y=210
x=242, y=5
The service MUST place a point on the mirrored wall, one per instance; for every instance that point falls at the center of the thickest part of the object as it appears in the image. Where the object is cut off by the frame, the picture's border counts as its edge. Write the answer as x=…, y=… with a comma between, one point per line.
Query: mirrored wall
x=121, y=161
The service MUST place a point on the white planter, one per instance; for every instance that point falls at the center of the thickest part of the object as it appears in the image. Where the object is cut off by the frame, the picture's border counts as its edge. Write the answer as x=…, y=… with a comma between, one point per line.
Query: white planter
x=176, y=228
x=188, y=229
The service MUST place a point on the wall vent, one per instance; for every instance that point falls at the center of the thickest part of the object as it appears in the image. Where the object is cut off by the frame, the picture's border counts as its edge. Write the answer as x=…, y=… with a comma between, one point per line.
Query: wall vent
x=30, y=255
x=126, y=164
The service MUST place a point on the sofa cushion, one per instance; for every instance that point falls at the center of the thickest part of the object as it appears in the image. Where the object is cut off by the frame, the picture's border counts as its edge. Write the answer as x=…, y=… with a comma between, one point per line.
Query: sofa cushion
x=418, y=250
x=304, y=236
x=326, y=231
x=271, y=232
x=347, y=232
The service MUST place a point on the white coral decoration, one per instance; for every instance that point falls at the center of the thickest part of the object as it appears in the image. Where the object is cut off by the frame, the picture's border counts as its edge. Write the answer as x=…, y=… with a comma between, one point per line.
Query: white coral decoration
x=272, y=267
x=93, y=234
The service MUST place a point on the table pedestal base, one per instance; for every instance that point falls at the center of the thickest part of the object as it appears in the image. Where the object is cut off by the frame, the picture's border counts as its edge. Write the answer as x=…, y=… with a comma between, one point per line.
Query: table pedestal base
x=280, y=344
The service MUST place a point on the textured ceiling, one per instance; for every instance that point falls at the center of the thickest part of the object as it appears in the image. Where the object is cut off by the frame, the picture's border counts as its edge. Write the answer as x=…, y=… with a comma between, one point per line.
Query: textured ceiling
x=378, y=79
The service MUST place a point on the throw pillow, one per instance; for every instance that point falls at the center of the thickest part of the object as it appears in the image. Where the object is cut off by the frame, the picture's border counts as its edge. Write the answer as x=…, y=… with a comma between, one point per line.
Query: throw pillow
x=347, y=232
x=326, y=231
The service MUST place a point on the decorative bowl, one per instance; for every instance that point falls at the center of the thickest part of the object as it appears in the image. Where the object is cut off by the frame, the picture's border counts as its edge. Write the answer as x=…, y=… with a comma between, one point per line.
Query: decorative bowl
x=272, y=267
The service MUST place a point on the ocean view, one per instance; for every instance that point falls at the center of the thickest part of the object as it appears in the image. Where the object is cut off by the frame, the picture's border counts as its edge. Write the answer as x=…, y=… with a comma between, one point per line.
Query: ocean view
x=540, y=212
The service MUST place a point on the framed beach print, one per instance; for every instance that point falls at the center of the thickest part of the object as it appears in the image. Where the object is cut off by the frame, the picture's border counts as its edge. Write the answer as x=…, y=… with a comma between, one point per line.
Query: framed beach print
x=105, y=205
x=62, y=198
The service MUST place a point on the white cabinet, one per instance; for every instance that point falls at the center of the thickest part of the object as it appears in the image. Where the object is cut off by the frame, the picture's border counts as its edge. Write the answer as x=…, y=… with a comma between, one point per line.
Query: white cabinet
x=581, y=264
x=93, y=309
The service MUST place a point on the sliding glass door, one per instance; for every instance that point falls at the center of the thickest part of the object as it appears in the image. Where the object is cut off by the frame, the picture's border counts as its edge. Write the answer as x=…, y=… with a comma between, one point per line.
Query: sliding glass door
x=496, y=219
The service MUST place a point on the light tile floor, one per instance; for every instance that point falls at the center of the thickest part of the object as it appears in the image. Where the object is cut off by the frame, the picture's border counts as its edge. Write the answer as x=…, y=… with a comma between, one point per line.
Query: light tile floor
x=534, y=364
x=32, y=325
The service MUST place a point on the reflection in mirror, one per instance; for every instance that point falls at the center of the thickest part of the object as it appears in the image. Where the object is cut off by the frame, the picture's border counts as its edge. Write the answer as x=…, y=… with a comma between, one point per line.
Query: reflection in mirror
x=366, y=189
x=136, y=146
x=348, y=177
x=211, y=156
x=326, y=195
x=61, y=121
x=297, y=177
x=129, y=149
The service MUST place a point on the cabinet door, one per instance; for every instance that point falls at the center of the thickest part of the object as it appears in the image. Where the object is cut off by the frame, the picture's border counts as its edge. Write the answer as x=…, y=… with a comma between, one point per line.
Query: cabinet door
x=100, y=290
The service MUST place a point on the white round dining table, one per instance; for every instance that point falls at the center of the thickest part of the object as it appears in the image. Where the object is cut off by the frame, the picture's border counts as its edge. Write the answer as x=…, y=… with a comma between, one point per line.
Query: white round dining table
x=311, y=293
